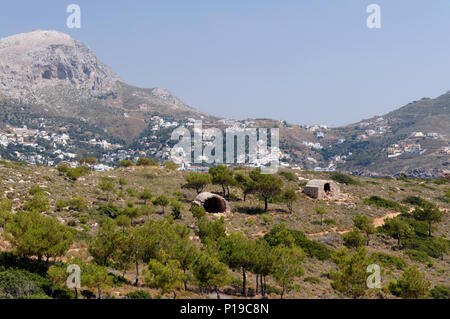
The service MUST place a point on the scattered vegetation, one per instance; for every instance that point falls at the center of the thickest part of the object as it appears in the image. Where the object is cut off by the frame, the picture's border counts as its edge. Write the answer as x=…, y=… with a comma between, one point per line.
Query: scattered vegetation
x=270, y=245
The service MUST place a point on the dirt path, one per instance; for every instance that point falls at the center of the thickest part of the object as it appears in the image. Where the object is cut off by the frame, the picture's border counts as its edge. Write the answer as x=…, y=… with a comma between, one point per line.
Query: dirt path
x=377, y=222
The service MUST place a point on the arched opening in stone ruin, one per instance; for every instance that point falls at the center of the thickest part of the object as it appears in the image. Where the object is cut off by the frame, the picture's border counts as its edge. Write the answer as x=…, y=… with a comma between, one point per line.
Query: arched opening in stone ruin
x=327, y=188
x=215, y=205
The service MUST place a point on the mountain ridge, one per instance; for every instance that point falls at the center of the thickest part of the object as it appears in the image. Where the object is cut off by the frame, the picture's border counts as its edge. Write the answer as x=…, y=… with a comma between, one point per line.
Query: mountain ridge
x=47, y=74
x=51, y=70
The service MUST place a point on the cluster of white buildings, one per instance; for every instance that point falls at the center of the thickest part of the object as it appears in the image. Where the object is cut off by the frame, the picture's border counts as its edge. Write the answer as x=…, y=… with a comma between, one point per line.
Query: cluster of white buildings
x=104, y=144
x=404, y=147
x=445, y=150
x=429, y=135
x=159, y=122
x=377, y=127
x=22, y=135
x=312, y=145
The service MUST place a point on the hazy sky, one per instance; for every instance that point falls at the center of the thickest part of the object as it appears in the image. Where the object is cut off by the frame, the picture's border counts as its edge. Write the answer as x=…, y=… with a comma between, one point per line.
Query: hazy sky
x=306, y=61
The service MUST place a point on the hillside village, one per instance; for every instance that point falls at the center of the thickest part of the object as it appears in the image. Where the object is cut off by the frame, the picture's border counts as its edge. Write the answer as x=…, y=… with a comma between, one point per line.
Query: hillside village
x=39, y=147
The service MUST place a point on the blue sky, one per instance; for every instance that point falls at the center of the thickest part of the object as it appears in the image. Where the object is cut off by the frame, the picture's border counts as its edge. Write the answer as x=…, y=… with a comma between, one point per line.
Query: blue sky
x=305, y=61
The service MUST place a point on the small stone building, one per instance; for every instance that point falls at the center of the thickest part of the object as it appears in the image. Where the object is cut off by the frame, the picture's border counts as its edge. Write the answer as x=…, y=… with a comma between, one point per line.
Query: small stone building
x=321, y=189
x=212, y=203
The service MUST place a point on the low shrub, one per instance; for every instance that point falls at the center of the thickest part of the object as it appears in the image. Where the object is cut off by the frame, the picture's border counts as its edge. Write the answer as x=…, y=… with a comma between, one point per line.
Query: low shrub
x=416, y=201
x=312, y=280
x=417, y=255
x=19, y=284
x=330, y=222
x=440, y=292
x=412, y=284
x=387, y=260
x=311, y=248
x=344, y=179
x=138, y=294
x=385, y=203
x=288, y=176
x=198, y=212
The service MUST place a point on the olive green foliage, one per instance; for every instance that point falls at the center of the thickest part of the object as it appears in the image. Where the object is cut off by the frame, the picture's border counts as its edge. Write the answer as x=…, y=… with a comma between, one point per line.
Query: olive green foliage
x=109, y=210
x=39, y=203
x=209, y=231
x=19, y=284
x=416, y=201
x=411, y=285
x=88, y=161
x=430, y=214
x=385, y=203
x=365, y=225
x=78, y=204
x=440, y=292
x=95, y=277
x=171, y=165
x=223, y=176
x=244, y=183
x=198, y=211
x=289, y=196
x=73, y=173
x=288, y=176
x=387, y=260
x=321, y=211
x=145, y=195
x=126, y=163
x=166, y=276
x=106, y=184
x=176, y=209
x=353, y=239
x=131, y=211
x=32, y=234
x=161, y=201
x=60, y=205
x=103, y=245
x=35, y=189
x=399, y=229
x=265, y=185
x=57, y=275
x=312, y=280
x=344, y=179
x=236, y=251
x=138, y=294
x=197, y=181
x=287, y=266
x=280, y=235
x=263, y=262
x=209, y=272
x=351, y=277
x=142, y=161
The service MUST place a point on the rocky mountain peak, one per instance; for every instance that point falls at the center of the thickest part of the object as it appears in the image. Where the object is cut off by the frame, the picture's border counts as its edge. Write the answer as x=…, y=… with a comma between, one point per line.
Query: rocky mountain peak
x=32, y=64
x=166, y=97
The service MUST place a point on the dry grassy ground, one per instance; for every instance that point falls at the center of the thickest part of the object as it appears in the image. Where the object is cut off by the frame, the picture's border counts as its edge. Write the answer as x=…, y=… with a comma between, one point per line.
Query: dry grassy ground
x=246, y=217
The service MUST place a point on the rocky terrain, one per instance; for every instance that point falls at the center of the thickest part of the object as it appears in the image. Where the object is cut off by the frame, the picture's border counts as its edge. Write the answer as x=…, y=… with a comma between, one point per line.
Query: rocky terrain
x=82, y=205
x=33, y=64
